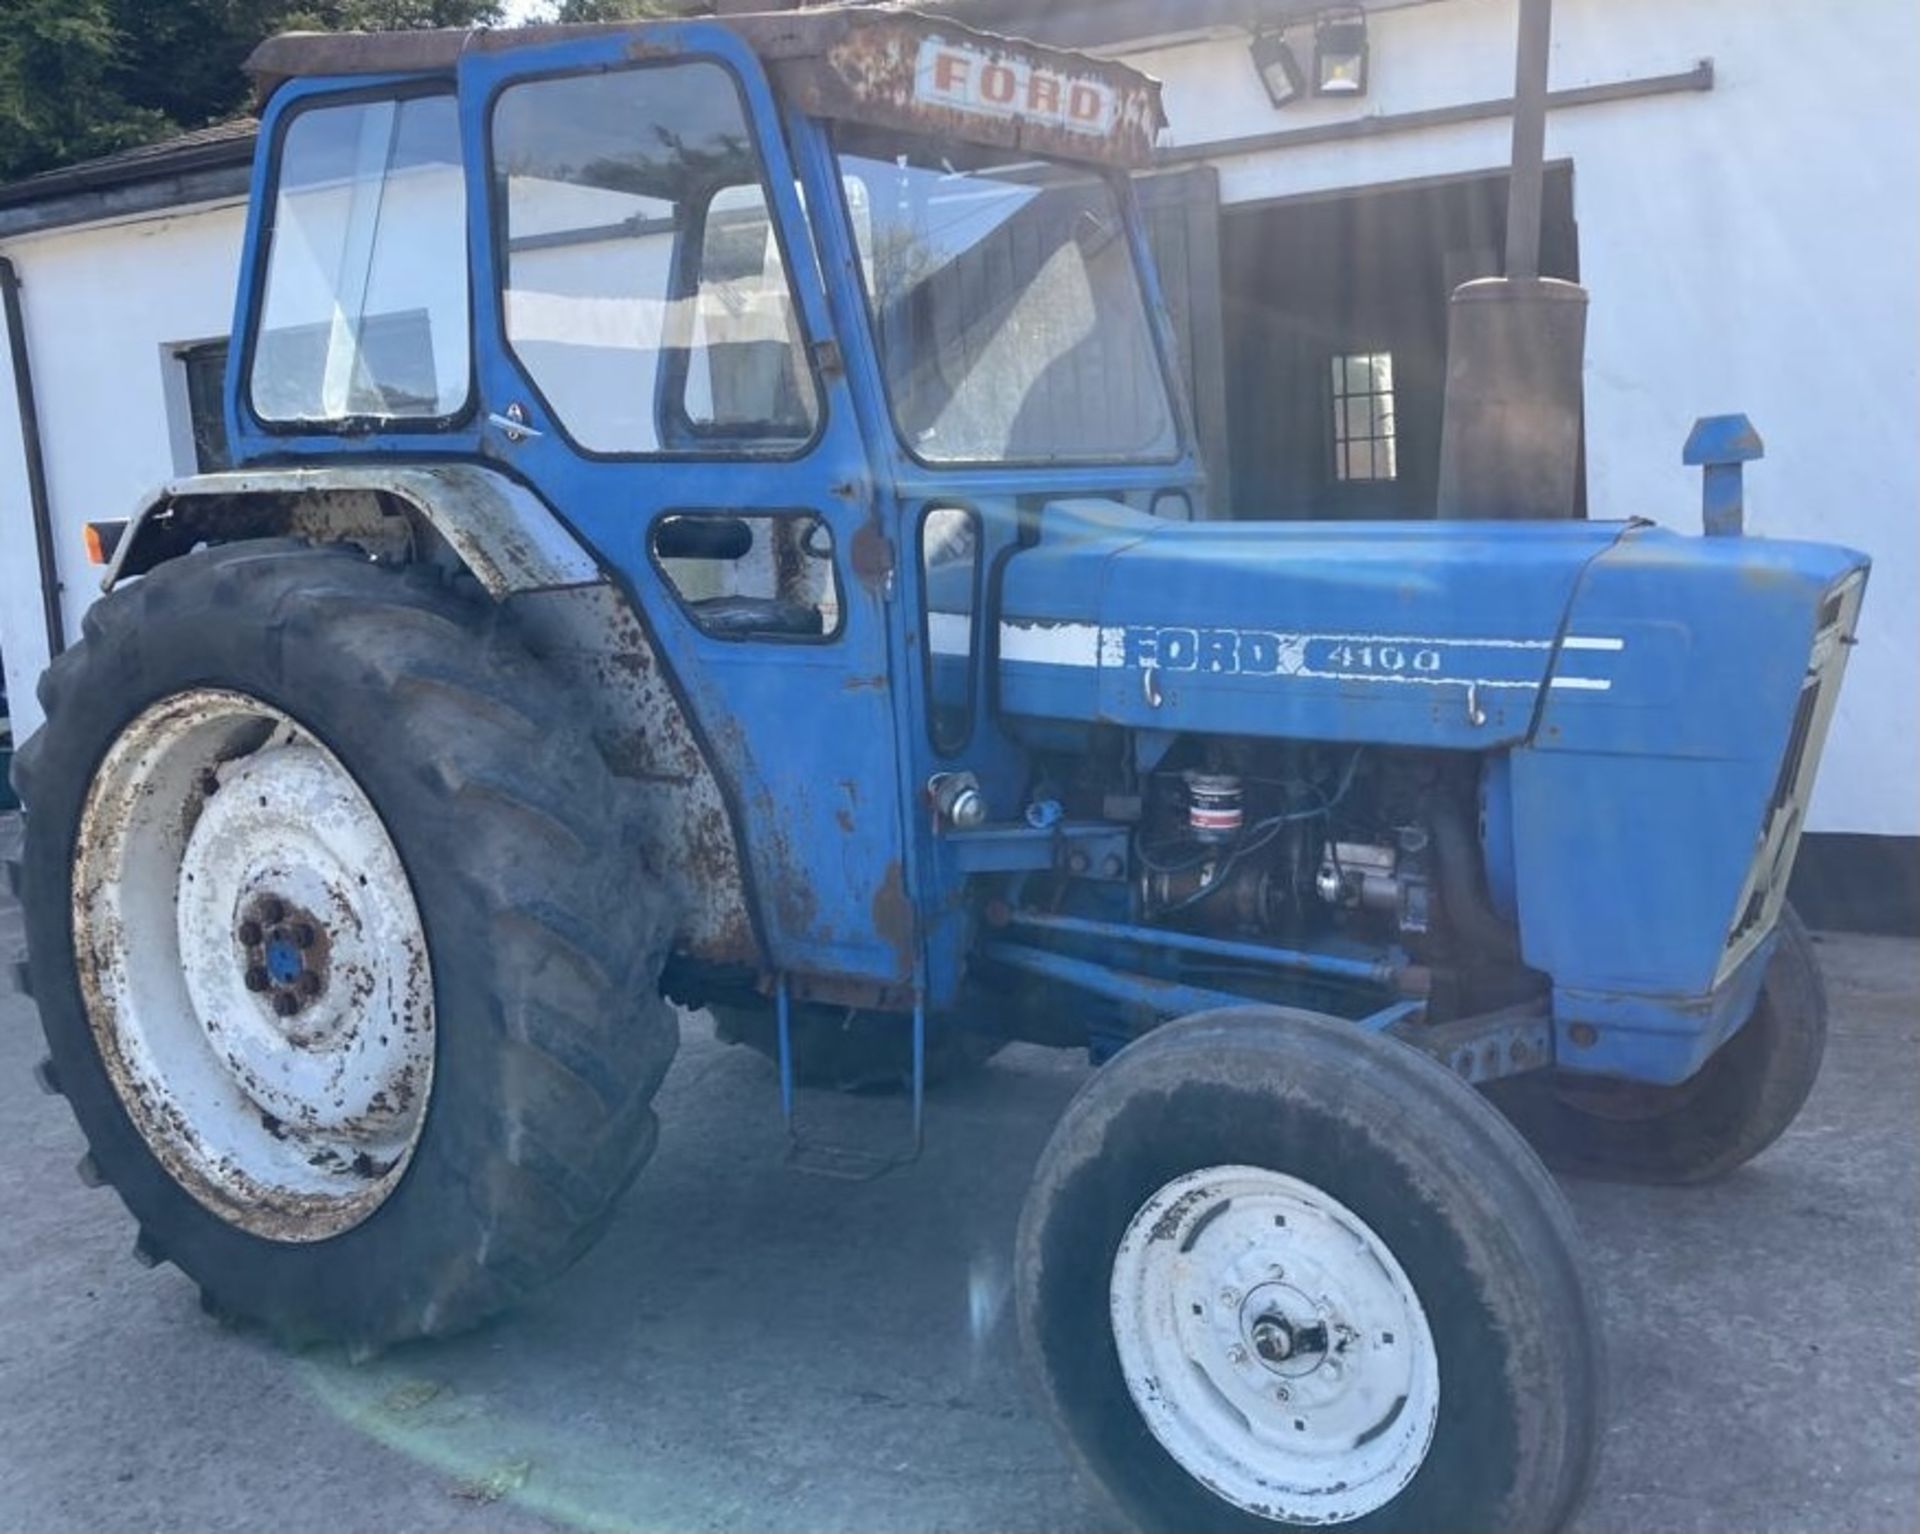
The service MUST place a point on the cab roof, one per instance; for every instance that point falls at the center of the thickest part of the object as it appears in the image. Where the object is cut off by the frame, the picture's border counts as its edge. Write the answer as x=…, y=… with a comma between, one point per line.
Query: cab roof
x=878, y=64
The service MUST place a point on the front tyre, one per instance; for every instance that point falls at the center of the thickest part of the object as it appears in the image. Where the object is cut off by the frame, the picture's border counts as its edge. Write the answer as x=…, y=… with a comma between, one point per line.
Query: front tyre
x=344, y=958
x=1729, y=1111
x=1274, y=1272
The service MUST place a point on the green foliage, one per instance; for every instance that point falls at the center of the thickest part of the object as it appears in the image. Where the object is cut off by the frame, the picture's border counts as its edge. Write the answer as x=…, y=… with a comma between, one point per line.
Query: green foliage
x=61, y=64
x=612, y=10
x=85, y=77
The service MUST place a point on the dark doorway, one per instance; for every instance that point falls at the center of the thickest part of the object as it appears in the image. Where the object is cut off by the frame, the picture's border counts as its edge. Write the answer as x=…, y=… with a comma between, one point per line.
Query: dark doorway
x=1336, y=337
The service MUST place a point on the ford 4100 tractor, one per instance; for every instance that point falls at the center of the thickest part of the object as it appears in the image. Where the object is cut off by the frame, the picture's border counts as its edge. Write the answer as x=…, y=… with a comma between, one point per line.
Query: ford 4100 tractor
x=715, y=524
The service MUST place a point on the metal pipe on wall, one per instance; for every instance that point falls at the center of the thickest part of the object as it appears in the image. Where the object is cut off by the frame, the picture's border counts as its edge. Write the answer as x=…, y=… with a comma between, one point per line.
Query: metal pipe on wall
x=1526, y=187
x=38, y=503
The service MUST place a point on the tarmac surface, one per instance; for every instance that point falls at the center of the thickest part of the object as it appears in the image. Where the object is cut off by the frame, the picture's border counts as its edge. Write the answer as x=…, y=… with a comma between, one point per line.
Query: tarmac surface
x=750, y=1348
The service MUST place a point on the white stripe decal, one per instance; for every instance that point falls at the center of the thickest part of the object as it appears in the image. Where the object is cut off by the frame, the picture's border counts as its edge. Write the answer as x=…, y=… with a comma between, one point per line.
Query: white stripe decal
x=1412, y=681
x=1051, y=644
x=1090, y=646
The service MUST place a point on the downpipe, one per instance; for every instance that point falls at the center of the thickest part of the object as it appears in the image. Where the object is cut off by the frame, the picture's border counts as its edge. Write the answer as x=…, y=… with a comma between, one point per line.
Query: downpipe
x=29, y=414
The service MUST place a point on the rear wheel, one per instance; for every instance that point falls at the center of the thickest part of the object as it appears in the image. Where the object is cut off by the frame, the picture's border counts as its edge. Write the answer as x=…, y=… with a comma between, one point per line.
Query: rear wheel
x=1275, y=1273
x=1728, y=1112
x=337, y=942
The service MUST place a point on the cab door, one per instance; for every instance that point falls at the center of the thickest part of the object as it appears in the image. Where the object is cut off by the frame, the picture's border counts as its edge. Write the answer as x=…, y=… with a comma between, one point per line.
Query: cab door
x=651, y=359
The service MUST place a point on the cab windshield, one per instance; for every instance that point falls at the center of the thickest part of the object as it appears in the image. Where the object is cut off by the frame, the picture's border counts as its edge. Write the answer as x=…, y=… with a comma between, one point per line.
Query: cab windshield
x=1007, y=308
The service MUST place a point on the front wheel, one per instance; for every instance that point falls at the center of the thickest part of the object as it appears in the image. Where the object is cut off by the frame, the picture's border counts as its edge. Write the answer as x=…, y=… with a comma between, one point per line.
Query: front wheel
x=1276, y=1273
x=1728, y=1112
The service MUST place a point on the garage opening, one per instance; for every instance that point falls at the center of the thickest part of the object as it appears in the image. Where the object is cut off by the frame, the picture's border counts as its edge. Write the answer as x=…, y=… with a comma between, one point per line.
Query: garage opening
x=1336, y=337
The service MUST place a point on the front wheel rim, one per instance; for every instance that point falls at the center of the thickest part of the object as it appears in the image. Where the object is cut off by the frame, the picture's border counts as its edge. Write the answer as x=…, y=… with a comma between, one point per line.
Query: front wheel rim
x=1274, y=1346
x=253, y=964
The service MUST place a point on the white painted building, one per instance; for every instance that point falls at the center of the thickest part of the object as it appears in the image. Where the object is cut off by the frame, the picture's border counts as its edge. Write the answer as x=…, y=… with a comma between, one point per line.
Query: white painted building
x=1734, y=180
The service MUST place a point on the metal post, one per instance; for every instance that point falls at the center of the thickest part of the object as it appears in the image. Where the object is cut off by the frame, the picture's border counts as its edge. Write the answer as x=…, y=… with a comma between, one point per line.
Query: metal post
x=782, y=1010
x=919, y=1072
x=1525, y=189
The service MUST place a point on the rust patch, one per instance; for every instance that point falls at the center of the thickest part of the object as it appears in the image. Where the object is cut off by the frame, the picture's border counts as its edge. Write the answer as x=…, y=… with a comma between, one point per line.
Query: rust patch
x=593, y=637
x=933, y=76
x=893, y=918
x=851, y=991
x=832, y=61
x=871, y=554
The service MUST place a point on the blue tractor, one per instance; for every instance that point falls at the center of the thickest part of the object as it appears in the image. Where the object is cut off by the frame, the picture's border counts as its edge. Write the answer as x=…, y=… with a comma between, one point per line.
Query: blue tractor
x=714, y=523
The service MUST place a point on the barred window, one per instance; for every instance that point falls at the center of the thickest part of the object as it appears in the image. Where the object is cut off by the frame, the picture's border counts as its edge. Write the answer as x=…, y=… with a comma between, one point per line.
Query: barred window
x=1363, y=436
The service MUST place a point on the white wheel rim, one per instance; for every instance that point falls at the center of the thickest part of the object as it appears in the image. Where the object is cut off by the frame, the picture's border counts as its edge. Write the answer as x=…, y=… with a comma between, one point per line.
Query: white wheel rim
x=254, y=966
x=1274, y=1346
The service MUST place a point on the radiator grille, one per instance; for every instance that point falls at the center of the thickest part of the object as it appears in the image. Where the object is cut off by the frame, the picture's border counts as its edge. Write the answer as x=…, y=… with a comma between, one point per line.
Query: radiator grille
x=1766, y=885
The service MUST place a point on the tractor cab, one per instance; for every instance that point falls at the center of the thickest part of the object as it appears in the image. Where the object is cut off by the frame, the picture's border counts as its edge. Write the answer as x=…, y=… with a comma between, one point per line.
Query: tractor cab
x=791, y=320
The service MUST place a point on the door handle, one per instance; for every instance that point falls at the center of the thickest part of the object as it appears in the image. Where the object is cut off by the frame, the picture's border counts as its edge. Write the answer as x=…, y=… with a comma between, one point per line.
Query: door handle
x=513, y=423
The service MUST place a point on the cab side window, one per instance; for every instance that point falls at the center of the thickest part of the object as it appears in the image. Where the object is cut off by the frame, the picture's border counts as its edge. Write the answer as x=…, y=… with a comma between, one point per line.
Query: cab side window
x=645, y=293
x=363, y=312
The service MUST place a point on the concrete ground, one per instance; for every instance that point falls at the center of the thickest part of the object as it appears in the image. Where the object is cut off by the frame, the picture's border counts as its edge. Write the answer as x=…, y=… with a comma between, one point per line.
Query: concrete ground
x=754, y=1349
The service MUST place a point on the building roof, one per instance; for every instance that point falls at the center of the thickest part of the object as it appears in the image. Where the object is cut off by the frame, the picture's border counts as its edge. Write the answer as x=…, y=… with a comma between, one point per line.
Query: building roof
x=227, y=143
x=211, y=164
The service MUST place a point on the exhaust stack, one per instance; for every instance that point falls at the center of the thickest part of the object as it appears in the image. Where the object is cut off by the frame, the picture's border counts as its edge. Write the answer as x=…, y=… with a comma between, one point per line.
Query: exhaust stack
x=1516, y=345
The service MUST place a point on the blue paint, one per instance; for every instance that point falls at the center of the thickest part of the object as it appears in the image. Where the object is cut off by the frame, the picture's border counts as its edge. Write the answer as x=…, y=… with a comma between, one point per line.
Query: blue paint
x=1719, y=445
x=1496, y=832
x=1381, y=970
x=1151, y=997
x=284, y=964
x=1656, y=1038
x=1636, y=811
x=1629, y=690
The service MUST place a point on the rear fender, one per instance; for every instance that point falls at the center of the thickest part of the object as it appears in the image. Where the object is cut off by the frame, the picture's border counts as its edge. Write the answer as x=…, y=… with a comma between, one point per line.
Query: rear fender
x=579, y=622
x=494, y=526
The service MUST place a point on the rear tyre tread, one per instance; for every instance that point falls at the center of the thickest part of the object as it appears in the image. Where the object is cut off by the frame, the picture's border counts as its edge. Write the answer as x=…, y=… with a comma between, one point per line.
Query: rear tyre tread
x=541, y=830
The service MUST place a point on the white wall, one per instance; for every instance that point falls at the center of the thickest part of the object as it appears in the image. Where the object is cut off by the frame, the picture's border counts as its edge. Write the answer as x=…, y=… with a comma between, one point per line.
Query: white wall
x=1753, y=248
x=104, y=309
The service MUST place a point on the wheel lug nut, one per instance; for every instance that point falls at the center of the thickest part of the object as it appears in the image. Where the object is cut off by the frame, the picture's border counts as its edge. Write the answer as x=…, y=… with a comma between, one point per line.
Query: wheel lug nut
x=209, y=783
x=285, y=1003
x=250, y=933
x=258, y=979
x=1229, y=1297
x=271, y=910
x=303, y=936
x=308, y=984
x=1236, y=1354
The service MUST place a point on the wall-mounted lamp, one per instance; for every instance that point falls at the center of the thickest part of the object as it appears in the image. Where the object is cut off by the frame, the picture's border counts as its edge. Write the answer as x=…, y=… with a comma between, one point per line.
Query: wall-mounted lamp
x=1278, y=68
x=1340, y=55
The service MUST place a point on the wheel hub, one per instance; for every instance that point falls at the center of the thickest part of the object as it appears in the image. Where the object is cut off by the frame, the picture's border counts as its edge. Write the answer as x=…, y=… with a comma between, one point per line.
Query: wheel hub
x=255, y=967
x=1274, y=1346
x=285, y=954
x=1278, y=1341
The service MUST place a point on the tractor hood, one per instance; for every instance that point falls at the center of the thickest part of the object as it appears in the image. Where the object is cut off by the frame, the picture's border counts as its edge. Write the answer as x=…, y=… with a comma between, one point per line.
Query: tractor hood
x=1443, y=634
